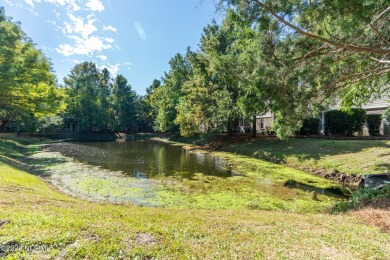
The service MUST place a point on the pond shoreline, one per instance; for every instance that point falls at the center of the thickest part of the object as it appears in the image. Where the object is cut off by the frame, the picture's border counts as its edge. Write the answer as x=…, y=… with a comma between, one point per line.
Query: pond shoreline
x=95, y=183
x=342, y=180
x=74, y=228
x=201, y=149
x=243, y=142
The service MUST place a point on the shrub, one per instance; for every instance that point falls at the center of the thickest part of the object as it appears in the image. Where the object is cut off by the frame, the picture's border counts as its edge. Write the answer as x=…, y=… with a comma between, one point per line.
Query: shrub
x=373, y=123
x=387, y=114
x=310, y=126
x=362, y=197
x=338, y=122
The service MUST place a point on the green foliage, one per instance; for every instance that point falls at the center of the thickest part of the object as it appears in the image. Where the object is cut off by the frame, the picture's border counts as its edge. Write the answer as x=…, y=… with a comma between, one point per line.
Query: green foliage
x=143, y=115
x=252, y=63
x=100, y=103
x=373, y=123
x=83, y=87
x=362, y=197
x=43, y=124
x=27, y=83
x=343, y=123
x=387, y=114
x=164, y=99
x=310, y=61
x=310, y=126
x=124, y=105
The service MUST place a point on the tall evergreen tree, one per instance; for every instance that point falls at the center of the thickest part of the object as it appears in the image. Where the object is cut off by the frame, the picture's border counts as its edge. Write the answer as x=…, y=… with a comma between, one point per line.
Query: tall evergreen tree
x=165, y=98
x=124, y=105
x=83, y=88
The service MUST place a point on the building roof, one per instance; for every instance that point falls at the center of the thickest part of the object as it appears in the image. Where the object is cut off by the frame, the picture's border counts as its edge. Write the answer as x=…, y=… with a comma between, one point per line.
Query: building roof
x=378, y=103
x=268, y=114
x=383, y=102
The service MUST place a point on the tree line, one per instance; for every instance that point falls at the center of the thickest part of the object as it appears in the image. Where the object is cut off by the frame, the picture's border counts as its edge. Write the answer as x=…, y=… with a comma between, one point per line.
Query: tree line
x=31, y=96
x=289, y=57
x=102, y=103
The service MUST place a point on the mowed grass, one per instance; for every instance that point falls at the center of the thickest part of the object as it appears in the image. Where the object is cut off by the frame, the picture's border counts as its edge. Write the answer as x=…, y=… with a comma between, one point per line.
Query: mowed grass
x=345, y=156
x=36, y=214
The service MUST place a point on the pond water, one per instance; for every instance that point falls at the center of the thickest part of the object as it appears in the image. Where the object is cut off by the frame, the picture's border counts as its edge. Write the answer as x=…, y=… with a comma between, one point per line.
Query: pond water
x=157, y=174
x=144, y=158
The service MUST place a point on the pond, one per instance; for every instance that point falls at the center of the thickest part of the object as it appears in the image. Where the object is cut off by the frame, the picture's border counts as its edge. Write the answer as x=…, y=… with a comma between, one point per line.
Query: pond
x=158, y=174
x=144, y=158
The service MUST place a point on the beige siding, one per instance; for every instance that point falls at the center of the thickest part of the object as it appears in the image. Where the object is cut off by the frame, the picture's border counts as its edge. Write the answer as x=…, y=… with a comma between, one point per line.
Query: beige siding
x=264, y=121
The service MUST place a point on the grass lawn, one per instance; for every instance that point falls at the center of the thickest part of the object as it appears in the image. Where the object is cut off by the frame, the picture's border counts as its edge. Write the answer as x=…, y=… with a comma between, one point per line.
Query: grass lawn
x=34, y=215
x=345, y=156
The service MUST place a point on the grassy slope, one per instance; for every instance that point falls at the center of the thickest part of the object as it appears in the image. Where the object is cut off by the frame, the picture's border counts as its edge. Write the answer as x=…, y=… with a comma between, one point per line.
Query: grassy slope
x=74, y=228
x=37, y=214
x=347, y=156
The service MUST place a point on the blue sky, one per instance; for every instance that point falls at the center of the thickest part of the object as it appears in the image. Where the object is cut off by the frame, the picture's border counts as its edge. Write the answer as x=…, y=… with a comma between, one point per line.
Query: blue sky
x=135, y=38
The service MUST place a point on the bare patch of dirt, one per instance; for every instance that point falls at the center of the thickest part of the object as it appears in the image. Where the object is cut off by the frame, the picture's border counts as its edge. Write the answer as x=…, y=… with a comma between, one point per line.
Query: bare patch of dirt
x=3, y=222
x=92, y=237
x=145, y=238
x=377, y=213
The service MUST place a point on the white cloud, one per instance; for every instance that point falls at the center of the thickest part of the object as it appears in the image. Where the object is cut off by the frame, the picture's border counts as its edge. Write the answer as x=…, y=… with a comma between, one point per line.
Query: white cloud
x=83, y=46
x=140, y=30
x=30, y=2
x=95, y=5
x=8, y=2
x=79, y=30
x=71, y=4
x=127, y=64
x=51, y=22
x=109, y=28
x=78, y=26
x=102, y=57
x=109, y=40
x=113, y=69
x=57, y=14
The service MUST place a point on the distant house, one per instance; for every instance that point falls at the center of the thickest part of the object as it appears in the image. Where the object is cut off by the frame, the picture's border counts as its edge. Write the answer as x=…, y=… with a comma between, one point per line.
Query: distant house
x=71, y=124
x=264, y=121
x=12, y=126
x=377, y=106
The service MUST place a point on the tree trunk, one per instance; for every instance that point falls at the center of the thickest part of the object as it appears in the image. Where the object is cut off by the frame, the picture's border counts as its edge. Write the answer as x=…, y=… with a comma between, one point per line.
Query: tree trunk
x=230, y=128
x=254, y=123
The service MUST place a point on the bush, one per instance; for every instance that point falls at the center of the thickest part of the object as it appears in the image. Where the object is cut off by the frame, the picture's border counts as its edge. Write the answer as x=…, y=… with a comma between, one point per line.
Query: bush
x=387, y=114
x=310, y=126
x=362, y=197
x=338, y=122
x=374, y=123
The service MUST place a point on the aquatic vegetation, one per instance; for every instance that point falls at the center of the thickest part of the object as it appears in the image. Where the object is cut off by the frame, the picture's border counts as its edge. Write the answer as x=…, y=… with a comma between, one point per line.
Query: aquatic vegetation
x=254, y=184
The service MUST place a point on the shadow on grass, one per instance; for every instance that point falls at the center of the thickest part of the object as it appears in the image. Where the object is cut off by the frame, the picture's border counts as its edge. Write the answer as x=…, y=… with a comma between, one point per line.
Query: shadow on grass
x=382, y=166
x=331, y=192
x=37, y=166
x=301, y=148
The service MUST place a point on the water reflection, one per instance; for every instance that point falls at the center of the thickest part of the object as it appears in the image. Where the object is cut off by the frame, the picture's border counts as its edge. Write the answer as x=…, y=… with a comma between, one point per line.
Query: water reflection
x=144, y=158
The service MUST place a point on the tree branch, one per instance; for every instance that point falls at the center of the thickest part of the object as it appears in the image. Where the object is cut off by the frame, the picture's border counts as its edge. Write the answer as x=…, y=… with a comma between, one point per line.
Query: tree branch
x=313, y=36
x=380, y=61
x=381, y=14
